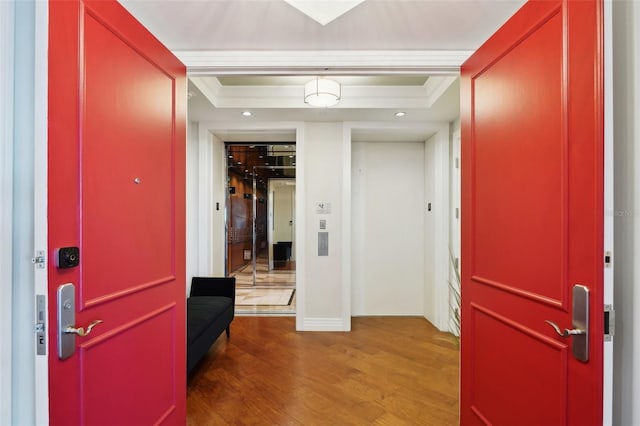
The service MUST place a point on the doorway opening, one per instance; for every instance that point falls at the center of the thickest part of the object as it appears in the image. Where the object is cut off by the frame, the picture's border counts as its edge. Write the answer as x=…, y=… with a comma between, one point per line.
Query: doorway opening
x=261, y=246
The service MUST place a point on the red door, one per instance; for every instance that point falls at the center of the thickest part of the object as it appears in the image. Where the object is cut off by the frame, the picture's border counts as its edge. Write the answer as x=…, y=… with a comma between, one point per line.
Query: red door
x=532, y=152
x=117, y=131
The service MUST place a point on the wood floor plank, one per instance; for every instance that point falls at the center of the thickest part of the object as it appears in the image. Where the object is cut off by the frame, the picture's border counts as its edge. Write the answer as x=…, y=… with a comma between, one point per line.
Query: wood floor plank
x=386, y=371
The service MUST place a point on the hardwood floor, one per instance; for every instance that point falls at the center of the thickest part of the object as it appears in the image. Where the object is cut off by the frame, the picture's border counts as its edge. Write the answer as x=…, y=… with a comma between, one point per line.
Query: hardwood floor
x=387, y=371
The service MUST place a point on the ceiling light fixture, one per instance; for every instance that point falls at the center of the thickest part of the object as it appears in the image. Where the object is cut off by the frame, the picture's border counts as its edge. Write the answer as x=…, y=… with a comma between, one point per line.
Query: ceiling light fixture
x=400, y=114
x=247, y=113
x=322, y=92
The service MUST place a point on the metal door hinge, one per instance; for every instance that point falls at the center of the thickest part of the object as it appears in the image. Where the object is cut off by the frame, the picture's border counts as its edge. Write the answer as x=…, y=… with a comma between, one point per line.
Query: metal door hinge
x=608, y=259
x=457, y=163
x=609, y=322
x=457, y=213
x=40, y=260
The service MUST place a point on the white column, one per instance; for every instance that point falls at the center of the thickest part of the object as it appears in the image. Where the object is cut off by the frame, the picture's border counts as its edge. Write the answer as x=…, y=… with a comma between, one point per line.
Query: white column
x=325, y=300
x=205, y=202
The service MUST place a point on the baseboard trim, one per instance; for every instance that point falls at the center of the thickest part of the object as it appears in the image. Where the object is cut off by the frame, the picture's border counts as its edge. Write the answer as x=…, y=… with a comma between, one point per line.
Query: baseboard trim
x=325, y=324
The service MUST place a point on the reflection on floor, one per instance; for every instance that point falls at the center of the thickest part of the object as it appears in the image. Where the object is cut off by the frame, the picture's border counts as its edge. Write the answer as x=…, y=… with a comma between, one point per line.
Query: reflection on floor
x=260, y=299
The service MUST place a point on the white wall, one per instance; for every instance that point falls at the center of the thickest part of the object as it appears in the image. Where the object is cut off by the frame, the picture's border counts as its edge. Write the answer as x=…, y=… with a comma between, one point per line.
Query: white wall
x=283, y=211
x=626, y=57
x=191, y=267
x=436, y=235
x=429, y=229
x=454, y=226
x=324, y=304
x=218, y=213
x=206, y=202
x=387, y=222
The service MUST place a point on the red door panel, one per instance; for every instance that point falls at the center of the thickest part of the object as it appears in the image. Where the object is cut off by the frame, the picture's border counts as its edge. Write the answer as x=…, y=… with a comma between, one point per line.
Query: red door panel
x=116, y=190
x=131, y=371
x=532, y=165
x=127, y=149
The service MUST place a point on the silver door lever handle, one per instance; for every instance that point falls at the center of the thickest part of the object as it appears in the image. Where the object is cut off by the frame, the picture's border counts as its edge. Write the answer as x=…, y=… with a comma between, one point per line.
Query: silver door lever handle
x=81, y=331
x=567, y=332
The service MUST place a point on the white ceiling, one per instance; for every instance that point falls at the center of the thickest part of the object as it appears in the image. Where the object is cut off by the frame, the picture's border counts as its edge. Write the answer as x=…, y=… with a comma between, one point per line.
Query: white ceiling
x=276, y=25
x=245, y=54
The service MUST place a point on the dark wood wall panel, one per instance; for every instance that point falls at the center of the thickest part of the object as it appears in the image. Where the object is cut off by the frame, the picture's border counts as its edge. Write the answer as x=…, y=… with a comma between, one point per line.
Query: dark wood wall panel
x=239, y=237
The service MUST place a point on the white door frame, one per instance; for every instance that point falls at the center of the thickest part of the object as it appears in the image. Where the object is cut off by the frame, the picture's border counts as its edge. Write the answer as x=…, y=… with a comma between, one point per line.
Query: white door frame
x=28, y=143
x=7, y=44
x=41, y=185
x=607, y=385
x=206, y=129
x=439, y=276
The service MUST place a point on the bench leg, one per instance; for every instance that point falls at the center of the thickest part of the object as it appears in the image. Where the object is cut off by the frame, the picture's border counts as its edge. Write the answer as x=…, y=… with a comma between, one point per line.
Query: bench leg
x=228, y=331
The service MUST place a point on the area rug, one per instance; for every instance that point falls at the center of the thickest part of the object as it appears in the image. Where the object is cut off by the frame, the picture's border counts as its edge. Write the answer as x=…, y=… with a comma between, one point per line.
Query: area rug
x=264, y=296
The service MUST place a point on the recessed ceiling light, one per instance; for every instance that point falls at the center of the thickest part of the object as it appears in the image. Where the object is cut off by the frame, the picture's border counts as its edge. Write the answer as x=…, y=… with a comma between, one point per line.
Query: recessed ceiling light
x=400, y=114
x=247, y=113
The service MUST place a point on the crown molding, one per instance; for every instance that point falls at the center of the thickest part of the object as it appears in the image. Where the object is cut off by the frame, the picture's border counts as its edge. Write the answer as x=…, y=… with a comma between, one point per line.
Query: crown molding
x=352, y=96
x=334, y=62
x=436, y=86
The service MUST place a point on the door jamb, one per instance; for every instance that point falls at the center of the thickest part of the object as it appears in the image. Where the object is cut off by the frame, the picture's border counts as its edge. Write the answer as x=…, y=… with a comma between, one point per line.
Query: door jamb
x=7, y=46
x=440, y=318
x=608, y=367
x=40, y=224
x=32, y=396
x=206, y=129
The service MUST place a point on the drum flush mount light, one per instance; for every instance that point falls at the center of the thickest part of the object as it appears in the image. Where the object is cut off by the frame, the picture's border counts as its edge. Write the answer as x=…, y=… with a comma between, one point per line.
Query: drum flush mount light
x=322, y=92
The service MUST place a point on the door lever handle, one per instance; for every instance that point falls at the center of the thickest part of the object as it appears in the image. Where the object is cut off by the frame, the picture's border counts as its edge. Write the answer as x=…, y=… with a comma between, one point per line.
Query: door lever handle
x=567, y=332
x=80, y=331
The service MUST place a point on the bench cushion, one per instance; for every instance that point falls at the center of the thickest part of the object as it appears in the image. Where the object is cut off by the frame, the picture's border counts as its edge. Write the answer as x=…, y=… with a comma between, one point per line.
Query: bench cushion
x=204, y=311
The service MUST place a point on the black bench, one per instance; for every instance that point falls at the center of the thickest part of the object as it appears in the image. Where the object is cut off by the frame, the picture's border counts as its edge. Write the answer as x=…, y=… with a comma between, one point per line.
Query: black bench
x=210, y=310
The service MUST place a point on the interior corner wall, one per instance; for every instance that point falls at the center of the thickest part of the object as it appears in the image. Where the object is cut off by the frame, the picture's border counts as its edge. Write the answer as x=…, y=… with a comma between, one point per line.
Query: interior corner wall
x=455, y=230
x=626, y=99
x=324, y=304
x=436, y=233
x=429, y=229
x=206, y=202
x=192, y=203
x=387, y=202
